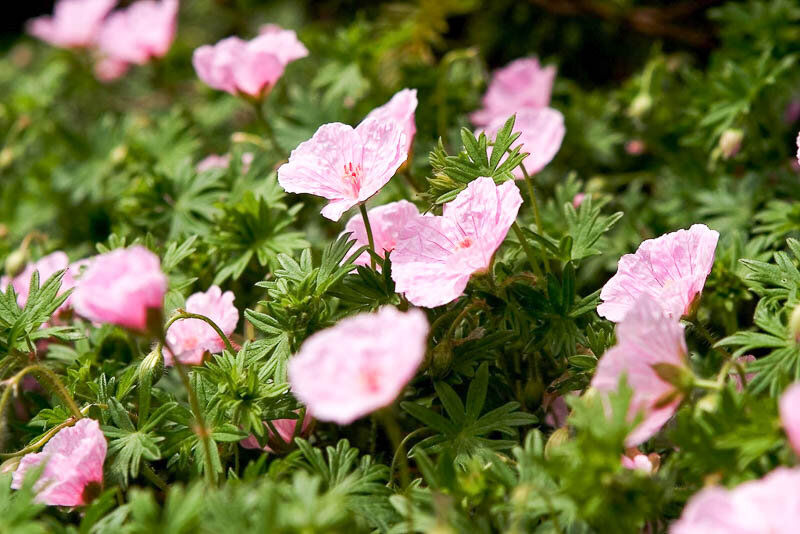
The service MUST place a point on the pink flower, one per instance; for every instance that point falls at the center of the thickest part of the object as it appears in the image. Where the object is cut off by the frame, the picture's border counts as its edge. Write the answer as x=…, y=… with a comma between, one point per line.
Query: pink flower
x=577, y=200
x=789, y=407
x=248, y=67
x=635, y=460
x=190, y=339
x=400, y=109
x=522, y=84
x=436, y=256
x=139, y=33
x=387, y=222
x=672, y=269
x=74, y=24
x=47, y=267
x=345, y=165
x=215, y=161
x=120, y=287
x=635, y=147
x=771, y=504
x=645, y=337
x=285, y=428
x=73, y=466
x=541, y=133
x=109, y=69
x=359, y=365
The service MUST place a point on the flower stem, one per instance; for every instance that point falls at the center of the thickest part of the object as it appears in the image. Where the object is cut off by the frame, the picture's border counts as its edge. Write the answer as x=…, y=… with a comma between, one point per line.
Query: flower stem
x=267, y=128
x=211, y=323
x=532, y=194
x=368, y=228
x=707, y=384
x=528, y=250
x=46, y=378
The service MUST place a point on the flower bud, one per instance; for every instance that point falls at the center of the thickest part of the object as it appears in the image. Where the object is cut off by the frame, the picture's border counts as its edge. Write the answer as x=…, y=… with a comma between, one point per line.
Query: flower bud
x=119, y=154
x=677, y=375
x=557, y=438
x=640, y=105
x=10, y=465
x=16, y=261
x=730, y=142
x=441, y=357
x=152, y=366
x=6, y=157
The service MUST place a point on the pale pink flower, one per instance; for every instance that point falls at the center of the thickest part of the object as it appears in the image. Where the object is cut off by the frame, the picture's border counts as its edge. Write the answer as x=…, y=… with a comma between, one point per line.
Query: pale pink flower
x=798, y=149
x=522, y=84
x=108, y=69
x=401, y=109
x=139, y=33
x=771, y=504
x=190, y=339
x=215, y=161
x=789, y=407
x=645, y=337
x=345, y=165
x=74, y=24
x=73, y=465
x=248, y=68
x=359, y=365
x=556, y=408
x=47, y=266
x=672, y=269
x=541, y=133
x=285, y=428
x=387, y=222
x=635, y=147
x=120, y=287
x=577, y=200
x=436, y=256
x=646, y=463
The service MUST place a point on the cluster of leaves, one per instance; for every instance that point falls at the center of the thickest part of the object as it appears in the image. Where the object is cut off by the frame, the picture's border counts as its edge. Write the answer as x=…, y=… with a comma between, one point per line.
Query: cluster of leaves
x=88, y=167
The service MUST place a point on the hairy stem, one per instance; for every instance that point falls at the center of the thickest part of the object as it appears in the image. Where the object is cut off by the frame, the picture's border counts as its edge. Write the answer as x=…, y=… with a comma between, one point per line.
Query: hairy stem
x=187, y=315
x=267, y=128
x=528, y=250
x=368, y=228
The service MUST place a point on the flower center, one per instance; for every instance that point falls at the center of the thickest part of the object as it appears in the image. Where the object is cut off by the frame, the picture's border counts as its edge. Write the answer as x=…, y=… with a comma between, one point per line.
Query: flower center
x=352, y=175
x=464, y=243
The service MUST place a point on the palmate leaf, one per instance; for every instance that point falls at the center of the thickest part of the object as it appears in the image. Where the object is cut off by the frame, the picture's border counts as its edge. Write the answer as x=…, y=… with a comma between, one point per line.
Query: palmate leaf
x=464, y=432
x=778, y=281
x=586, y=226
x=451, y=174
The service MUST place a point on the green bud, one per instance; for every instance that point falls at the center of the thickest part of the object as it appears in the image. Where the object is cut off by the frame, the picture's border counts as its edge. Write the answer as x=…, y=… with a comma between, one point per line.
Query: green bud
x=153, y=366
x=441, y=357
x=6, y=157
x=677, y=375
x=708, y=403
x=119, y=154
x=557, y=438
x=640, y=105
x=10, y=465
x=16, y=261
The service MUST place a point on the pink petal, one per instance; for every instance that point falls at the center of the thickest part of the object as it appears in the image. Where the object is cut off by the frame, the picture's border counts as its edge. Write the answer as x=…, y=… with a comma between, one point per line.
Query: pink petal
x=401, y=109
x=387, y=223
x=790, y=415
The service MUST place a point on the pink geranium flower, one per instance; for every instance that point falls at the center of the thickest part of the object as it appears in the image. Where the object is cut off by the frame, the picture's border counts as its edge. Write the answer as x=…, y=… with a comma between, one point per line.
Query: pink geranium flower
x=120, y=287
x=285, y=428
x=215, y=161
x=190, y=339
x=790, y=415
x=139, y=33
x=541, y=133
x=771, y=504
x=401, y=109
x=436, y=256
x=47, y=267
x=672, y=269
x=636, y=461
x=74, y=24
x=645, y=337
x=387, y=222
x=359, y=365
x=522, y=84
x=345, y=165
x=73, y=466
x=248, y=68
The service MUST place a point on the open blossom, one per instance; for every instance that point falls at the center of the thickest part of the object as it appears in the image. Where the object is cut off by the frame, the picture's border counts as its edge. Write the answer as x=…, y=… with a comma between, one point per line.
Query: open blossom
x=387, y=222
x=359, y=365
x=401, y=109
x=789, y=406
x=47, y=267
x=522, y=84
x=248, y=67
x=646, y=337
x=345, y=165
x=140, y=32
x=120, y=287
x=73, y=465
x=74, y=24
x=771, y=504
x=672, y=269
x=436, y=256
x=286, y=432
x=646, y=463
x=541, y=133
x=189, y=339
